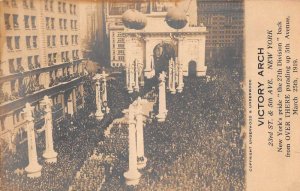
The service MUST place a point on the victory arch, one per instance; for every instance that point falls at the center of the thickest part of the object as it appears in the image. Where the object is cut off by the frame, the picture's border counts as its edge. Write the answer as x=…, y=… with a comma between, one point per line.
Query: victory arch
x=146, y=45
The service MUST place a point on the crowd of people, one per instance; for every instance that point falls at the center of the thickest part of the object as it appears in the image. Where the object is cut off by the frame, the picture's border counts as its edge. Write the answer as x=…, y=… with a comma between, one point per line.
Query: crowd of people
x=90, y=176
x=198, y=147
x=75, y=138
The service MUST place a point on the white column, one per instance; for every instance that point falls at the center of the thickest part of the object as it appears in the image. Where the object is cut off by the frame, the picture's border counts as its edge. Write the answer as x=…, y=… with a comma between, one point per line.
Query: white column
x=149, y=60
x=34, y=168
x=104, y=93
x=162, y=110
x=127, y=75
x=142, y=77
x=98, y=114
x=49, y=154
x=131, y=77
x=141, y=159
x=201, y=68
x=136, y=76
x=132, y=176
x=172, y=76
x=180, y=77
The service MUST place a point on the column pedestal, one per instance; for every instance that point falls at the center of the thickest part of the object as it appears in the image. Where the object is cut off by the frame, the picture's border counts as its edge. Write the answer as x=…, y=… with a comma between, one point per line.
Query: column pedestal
x=132, y=176
x=161, y=117
x=99, y=114
x=162, y=111
x=50, y=156
x=33, y=169
x=141, y=159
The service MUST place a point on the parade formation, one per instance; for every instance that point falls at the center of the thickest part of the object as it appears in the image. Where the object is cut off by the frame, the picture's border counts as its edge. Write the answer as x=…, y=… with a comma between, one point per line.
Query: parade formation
x=163, y=121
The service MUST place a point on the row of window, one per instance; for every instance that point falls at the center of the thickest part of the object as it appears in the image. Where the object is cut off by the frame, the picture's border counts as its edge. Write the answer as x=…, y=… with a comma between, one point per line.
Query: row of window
x=25, y=3
x=120, y=58
x=31, y=42
x=61, y=7
x=64, y=56
x=51, y=40
x=29, y=21
x=117, y=64
x=50, y=24
x=15, y=65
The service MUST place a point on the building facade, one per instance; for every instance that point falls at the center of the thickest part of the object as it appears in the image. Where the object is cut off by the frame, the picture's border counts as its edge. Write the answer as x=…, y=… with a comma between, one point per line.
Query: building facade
x=40, y=55
x=154, y=11
x=224, y=21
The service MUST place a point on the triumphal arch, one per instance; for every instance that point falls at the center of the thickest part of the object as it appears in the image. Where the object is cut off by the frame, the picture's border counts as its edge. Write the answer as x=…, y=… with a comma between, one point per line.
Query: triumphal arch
x=186, y=46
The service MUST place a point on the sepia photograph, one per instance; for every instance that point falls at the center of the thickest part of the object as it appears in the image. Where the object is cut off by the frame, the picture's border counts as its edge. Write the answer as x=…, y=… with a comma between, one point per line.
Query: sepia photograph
x=119, y=95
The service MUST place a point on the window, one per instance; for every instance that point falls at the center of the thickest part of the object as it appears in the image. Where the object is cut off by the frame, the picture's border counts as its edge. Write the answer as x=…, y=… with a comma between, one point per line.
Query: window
x=61, y=40
x=33, y=22
x=72, y=39
x=59, y=7
x=13, y=85
x=53, y=40
x=67, y=56
x=47, y=23
x=71, y=22
x=34, y=41
x=51, y=6
x=15, y=21
x=19, y=65
x=63, y=56
x=37, y=79
x=54, y=57
x=2, y=122
x=9, y=42
x=11, y=66
x=31, y=4
x=52, y=23
x=28, y=41
x=75, y=24
x=60, y=23
x=17, y=42
x=121, y=58
x=6, y=2
x=6, y=20
x=74, y=9
x=77, y=54
x=46, y=5
x=50, y=63
x=64, y=7
x=76, y=39
x=66, y=40
x=48, y=41
x=65, y=24
x=71, y=9
x=30, y=64
x=26, y=20
x=25, y=4
x=14, y=3
x=37, y=61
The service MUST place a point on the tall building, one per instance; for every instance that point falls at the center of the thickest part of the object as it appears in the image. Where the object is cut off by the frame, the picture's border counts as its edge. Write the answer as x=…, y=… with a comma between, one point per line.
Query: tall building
x=152, y=9
x=40, y=55
x=224, y=21
x=92, y=29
